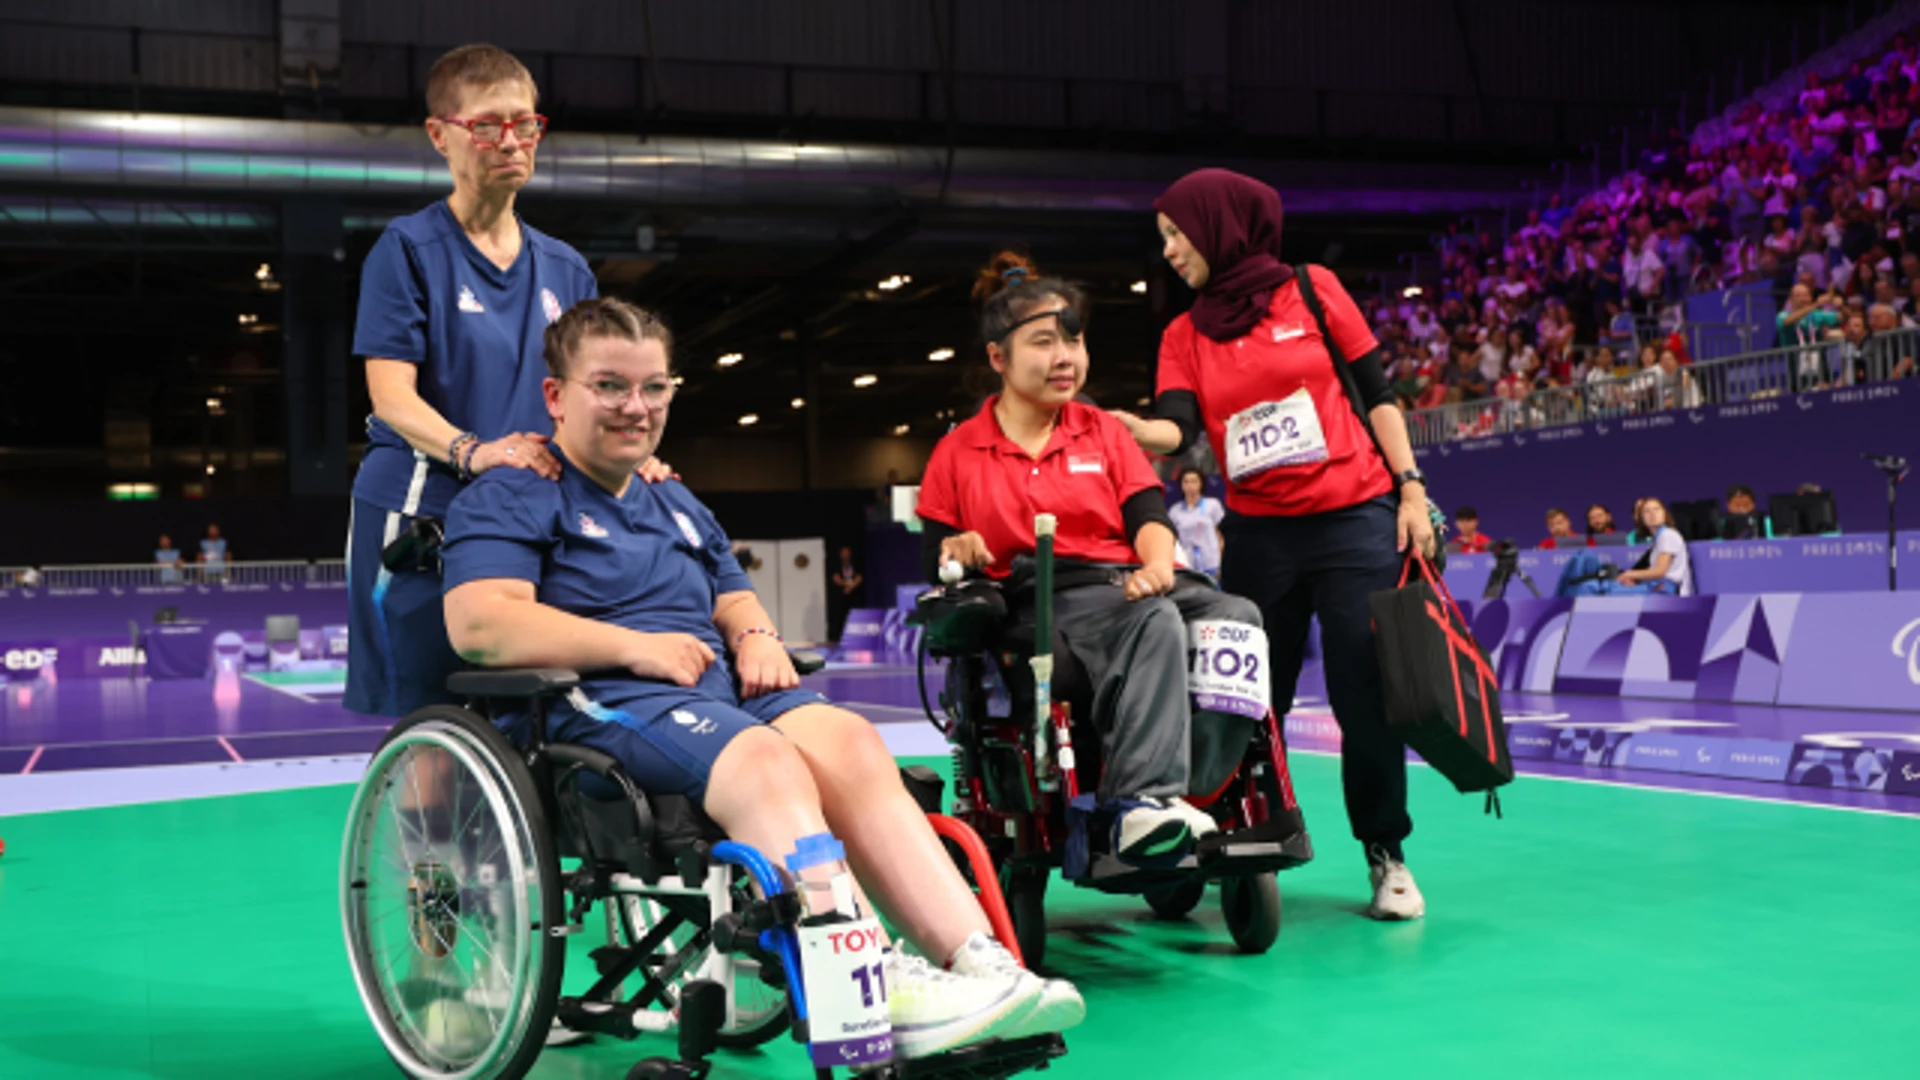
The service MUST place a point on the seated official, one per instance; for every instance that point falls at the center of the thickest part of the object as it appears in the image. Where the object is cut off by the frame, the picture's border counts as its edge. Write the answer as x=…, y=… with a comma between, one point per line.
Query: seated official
x=1664, y=567
x=1118, y=602
x=636, y=586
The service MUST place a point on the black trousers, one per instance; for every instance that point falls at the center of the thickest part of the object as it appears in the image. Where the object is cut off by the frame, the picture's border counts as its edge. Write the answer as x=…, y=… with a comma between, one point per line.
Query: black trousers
x=1327, y=565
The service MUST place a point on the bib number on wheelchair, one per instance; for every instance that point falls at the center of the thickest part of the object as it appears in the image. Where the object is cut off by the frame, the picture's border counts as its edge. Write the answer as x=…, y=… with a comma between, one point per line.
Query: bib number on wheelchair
x=1229, y=668
x=844, y=971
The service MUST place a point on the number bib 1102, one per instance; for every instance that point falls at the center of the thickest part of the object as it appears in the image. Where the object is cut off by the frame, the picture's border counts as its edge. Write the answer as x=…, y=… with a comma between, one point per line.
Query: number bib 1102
x=844, y=968
x=1229, y=671
x=1273, y=434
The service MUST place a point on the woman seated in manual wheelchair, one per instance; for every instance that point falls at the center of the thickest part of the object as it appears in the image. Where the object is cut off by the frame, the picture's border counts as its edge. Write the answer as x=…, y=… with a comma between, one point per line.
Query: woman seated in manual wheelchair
x=1124, y=609
x=634, y=585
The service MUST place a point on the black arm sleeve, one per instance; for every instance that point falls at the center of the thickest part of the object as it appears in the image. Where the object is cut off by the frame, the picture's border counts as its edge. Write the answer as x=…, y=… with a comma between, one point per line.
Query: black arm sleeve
x=1144, y=507
x=931, y=534
x=1370, y=375
x=1181, y=407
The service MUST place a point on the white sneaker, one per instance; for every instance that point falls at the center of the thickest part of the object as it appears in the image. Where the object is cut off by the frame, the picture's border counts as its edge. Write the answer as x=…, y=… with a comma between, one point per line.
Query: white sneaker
x=1151, y=832
x=1395, y=896
x=1198, y=821
x=1060, y=1006
x=935, y=1010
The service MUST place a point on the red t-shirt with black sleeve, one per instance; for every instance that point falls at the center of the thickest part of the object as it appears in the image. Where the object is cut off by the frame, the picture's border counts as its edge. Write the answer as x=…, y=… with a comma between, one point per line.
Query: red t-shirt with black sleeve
x=979, y=481
x=1277, y=358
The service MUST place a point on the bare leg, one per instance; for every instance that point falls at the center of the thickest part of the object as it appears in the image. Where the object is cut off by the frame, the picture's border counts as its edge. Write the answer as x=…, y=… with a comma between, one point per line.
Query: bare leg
x=893, y=850
x=761, y=793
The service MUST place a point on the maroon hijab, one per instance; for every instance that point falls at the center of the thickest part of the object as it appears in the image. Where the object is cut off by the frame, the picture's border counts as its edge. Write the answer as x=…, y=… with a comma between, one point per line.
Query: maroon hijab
x=1233, y=221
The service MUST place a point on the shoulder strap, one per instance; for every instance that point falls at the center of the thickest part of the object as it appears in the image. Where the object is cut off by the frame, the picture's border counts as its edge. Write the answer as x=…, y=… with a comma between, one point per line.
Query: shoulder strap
x=1302, y=275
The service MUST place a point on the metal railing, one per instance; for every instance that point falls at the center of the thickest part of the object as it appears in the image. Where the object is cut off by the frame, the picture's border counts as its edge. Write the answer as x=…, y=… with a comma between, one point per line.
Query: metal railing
x=147, y=575
x=1756, y=376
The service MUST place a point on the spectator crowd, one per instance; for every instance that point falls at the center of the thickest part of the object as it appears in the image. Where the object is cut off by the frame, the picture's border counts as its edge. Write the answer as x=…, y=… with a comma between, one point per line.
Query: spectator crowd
x=1818, y=201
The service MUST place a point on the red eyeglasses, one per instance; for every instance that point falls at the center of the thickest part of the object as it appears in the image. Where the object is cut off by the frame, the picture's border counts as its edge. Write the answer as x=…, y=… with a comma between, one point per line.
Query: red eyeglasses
x=487, y=131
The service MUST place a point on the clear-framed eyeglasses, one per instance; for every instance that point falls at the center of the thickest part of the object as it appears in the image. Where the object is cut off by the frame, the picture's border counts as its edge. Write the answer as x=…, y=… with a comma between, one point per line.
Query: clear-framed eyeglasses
x=614, y=393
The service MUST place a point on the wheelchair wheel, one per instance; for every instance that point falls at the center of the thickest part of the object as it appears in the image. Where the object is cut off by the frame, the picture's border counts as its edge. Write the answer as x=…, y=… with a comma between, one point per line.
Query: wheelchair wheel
x=450, y=895
x=1252, y=907
x=760, y=1011
x=1176, y=901
x=1025, y=890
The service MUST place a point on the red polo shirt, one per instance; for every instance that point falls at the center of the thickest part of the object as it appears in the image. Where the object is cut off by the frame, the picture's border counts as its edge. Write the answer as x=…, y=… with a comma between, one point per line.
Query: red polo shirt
x=1276, y=358
x=979, y=481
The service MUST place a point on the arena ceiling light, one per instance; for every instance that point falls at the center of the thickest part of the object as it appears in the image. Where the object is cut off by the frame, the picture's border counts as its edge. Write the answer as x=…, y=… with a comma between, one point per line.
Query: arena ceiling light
x=902, y=429
x=864, y=381
x=750, y=419
x=248, y=320
x=798, y=403
x=679, y=380
x=939, y=355
x=730, y=359
x=894, y=282
x=1139, y=288
x=1410, y=291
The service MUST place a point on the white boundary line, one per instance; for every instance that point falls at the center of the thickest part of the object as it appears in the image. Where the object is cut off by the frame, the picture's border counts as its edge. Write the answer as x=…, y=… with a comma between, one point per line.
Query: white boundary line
x=1908, y=814
x=295, y=694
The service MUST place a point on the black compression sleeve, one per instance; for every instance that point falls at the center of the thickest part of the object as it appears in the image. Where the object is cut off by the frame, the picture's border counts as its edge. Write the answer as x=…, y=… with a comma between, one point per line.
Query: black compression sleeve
x=1145, y=506
x=931, y=534
x=1181, y=407
x=1370, y=374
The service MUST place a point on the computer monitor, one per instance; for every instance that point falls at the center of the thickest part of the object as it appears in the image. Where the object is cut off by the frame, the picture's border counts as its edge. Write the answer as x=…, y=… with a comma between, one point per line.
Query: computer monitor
x=1613, y=539
x=1698, y=519
x=1803, y=515
x=166, y=615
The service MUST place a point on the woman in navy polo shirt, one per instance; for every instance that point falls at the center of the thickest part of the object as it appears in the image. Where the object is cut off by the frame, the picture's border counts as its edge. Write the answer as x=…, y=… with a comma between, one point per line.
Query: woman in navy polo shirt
x=636, y=586
x=453, y=302
x=1316, y=520
x=1032, y=448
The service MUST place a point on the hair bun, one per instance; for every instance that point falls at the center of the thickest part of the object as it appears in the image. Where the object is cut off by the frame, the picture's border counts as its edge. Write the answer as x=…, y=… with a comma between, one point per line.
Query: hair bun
x=1004, y=270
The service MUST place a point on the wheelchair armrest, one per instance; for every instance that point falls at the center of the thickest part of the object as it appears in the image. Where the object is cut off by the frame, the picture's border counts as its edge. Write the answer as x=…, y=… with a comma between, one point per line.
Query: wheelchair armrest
x=512, y=682
x=597, y=762
x=806, y=661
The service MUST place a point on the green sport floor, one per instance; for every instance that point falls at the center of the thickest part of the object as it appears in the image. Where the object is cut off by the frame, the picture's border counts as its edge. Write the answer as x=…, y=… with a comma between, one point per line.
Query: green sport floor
x=1597, y=931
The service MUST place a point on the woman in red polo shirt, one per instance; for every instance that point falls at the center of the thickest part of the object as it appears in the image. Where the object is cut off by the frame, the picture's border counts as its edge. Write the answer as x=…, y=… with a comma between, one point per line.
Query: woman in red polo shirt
x=1119, y=602
x=1316, y=521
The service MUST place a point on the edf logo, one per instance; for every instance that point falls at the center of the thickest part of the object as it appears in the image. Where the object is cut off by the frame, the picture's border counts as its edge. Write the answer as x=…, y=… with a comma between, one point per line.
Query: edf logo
x=30, y=659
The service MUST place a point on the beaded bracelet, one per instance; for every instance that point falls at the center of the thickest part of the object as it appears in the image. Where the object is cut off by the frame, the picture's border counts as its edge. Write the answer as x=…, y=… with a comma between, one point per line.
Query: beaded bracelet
x=466, y=458
x=741, y=638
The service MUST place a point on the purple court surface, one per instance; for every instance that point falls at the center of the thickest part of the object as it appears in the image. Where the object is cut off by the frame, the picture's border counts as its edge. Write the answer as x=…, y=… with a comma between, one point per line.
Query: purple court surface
x=1859, y=759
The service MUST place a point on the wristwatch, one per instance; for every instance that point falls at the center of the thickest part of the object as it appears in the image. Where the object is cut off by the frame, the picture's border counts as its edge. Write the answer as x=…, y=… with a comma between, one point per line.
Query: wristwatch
x=1411, y=476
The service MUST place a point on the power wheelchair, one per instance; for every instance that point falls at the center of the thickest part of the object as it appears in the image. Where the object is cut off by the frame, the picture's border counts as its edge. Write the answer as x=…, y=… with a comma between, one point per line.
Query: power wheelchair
x=457, y=909
x=1017, y=773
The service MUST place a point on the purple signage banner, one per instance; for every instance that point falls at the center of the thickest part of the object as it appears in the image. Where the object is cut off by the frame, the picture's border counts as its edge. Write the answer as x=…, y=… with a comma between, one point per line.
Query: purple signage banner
x=1857, y=650
x=1522, y=638
x=1634, y=646
x=28, y=613
x=1801, y=564
x=68, y=658
x=1772, y=446
x=1904, y=777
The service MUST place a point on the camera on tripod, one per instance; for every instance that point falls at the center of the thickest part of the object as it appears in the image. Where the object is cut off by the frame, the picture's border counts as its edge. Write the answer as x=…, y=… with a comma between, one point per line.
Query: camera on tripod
x=1506, y=567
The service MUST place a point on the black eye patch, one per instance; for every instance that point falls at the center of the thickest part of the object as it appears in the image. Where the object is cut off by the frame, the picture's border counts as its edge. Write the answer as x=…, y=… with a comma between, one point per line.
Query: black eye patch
x=1070, y=324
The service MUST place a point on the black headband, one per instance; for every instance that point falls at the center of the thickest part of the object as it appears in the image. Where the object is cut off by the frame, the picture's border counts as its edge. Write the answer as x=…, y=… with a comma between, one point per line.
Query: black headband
x=1070, y=324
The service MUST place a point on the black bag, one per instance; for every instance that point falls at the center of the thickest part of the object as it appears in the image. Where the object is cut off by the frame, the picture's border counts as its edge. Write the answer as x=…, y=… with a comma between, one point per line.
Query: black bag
x=1441, y=693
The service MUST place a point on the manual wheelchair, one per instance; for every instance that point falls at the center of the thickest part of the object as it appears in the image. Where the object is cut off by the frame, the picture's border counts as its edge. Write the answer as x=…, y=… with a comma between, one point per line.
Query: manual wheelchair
x=457, y=910
x=1016, y=777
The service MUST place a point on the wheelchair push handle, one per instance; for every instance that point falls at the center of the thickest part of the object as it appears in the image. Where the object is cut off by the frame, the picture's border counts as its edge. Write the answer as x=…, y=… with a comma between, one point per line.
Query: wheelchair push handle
x=1042, y=659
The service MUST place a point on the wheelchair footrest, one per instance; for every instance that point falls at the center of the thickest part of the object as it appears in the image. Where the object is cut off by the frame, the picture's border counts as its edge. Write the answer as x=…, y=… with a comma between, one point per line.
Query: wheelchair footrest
x=993, y=1060
x=613, y=1018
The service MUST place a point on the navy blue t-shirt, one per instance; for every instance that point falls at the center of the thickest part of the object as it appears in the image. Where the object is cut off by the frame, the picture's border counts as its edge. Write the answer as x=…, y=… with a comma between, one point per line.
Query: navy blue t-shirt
x=429, y=297
x=652, y=560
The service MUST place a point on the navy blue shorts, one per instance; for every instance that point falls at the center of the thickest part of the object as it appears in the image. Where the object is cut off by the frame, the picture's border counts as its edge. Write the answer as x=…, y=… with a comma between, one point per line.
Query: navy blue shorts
x=667, y=737
x=398, y=655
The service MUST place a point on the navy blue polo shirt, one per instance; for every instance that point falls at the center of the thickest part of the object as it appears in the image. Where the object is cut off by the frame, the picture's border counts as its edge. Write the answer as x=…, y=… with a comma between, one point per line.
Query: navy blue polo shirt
x=429, y=297
x=653, y=560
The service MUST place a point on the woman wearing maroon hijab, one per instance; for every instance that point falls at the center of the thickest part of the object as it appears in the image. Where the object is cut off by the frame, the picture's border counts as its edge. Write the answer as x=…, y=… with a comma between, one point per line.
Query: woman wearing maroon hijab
x=1316, y=520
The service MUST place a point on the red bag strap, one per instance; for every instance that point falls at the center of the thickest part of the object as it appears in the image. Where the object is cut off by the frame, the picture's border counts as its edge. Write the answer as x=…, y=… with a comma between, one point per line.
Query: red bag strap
x=1432, y=577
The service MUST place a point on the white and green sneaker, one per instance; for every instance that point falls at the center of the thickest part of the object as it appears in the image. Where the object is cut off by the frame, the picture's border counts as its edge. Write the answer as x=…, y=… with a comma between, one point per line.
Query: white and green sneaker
x=1060, y=1006
x=934, y=1011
